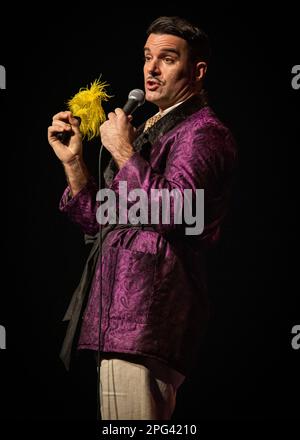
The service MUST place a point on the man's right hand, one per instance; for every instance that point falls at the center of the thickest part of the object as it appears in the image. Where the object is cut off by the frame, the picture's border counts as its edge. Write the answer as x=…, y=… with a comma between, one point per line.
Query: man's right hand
x=64, y=122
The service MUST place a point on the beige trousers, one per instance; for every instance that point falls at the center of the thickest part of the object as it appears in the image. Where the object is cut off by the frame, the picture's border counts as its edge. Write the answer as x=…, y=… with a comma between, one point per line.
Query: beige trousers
x=130, y=391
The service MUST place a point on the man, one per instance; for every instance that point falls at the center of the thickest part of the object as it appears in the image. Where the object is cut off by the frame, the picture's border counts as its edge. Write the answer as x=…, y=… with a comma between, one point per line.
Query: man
x=154, y=303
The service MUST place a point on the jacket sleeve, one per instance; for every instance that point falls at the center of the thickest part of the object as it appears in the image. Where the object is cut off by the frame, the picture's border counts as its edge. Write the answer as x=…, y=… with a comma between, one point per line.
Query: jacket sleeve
x=198, y=158
x=81, y=208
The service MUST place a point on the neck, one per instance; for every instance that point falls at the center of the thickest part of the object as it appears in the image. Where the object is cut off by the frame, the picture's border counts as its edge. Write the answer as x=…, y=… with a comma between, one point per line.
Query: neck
x=183, y=96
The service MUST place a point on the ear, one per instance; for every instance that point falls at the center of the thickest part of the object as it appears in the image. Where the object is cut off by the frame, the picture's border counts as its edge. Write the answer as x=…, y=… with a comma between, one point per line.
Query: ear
x=200, y=70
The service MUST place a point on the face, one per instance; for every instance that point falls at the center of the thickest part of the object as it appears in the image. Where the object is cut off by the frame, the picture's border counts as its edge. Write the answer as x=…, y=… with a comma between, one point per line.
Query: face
x=168, y=73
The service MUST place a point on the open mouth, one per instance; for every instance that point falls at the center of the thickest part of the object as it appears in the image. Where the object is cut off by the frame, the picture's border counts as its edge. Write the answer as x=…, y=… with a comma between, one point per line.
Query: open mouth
x=152, y=84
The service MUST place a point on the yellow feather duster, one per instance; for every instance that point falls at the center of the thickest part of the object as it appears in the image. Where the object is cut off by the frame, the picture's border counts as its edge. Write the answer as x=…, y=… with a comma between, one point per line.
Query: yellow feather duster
x=87, y=104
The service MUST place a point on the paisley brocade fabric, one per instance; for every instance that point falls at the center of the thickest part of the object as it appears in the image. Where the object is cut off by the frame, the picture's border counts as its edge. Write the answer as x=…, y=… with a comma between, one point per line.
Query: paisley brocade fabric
x=154, y=299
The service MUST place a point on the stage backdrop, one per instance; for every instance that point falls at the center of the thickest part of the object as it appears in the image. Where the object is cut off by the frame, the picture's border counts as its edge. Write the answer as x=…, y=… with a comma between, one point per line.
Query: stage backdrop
x=247, y=367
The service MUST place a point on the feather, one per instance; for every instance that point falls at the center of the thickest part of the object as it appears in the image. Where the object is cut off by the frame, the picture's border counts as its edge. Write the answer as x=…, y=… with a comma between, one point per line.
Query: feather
x=87, y=104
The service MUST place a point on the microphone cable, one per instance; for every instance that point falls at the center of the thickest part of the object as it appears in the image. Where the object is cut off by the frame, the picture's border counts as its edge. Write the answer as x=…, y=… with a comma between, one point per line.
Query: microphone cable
x=135, y=98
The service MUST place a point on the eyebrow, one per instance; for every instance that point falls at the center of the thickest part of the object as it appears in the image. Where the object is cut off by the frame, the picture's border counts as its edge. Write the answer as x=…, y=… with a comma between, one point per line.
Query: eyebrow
x=164, y=50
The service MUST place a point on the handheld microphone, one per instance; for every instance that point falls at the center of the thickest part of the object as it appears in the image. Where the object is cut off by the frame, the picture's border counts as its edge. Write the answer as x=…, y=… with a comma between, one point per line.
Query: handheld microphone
x=135, y=98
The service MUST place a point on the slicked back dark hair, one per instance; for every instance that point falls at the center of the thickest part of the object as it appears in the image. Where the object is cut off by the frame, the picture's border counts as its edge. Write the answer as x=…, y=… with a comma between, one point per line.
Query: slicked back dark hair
x=197, y=39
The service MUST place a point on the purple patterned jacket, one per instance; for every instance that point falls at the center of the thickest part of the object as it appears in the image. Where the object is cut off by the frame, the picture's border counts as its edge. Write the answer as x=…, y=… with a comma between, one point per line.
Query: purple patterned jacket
x=154, y=294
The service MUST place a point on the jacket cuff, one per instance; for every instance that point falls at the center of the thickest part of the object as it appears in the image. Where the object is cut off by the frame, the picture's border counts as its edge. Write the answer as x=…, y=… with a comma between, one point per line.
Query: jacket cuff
x=67, y=202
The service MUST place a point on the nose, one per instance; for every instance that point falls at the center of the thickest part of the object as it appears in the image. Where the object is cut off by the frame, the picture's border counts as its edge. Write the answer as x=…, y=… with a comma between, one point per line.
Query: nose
x=153, y=67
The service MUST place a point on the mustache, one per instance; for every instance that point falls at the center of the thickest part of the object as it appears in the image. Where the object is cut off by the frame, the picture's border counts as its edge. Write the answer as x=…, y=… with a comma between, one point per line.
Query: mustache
x=152, y=78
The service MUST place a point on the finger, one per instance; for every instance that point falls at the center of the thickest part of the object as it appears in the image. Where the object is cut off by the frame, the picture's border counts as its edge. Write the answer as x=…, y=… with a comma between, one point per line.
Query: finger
x=119, y=112
x=66, y=115
x=75, y=121
x=68, y=127
x=62, y=132
x=111, y=115
x=52, y=133
x=61, y=125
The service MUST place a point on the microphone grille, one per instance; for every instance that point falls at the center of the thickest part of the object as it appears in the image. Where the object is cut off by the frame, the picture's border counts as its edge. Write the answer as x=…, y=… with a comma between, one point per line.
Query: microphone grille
x=138, y=95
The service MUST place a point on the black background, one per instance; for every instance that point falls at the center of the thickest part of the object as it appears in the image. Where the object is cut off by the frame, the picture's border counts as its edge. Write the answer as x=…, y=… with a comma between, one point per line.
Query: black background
x=247, y=369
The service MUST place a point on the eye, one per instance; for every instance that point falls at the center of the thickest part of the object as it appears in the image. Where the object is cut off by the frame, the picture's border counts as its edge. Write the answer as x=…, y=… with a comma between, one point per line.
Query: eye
x=169, y=60
x=147, y=58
